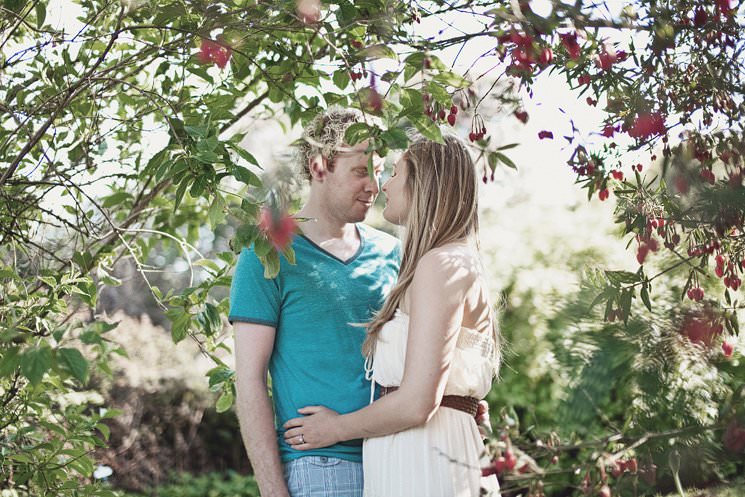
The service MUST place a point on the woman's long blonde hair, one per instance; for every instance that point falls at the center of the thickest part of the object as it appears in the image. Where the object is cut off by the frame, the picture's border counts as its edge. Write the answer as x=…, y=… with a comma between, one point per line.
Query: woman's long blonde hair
x=442, y=187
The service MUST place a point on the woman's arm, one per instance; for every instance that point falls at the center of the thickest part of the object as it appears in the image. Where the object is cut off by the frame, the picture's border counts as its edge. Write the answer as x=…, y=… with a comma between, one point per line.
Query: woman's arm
x=436, y=297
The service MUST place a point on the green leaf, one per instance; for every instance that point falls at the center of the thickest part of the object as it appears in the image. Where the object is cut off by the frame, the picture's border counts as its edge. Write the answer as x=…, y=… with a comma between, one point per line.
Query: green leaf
x=196, y=131
x=219, y=374
x=508, y=146
x=427, y=128
x=22, y=458
x=207, y=157
x=493, y=160
x=207, y=263
x=356, y=133
x=448, y=78
x=245, y=235
x=41, y=14
x=341, y=78
x=216, y=212
x=180, y=322
x=626, y=277
x=180, y=192
x=244, y=154
x=244, y=175
x=9, y=361
x=289, y=254
x=390, y=76
x=379, y=51
x=411, y=101
x=439, y=93
x=625, y=303
x=74, y=362
x=395, y=138
x=271, y=265
x=262, y=246
x=224, y=402
x=506, y=160
x=645, y=298
x=35, y=362
x=104, y=429
x=116, y=198
x=598, y=299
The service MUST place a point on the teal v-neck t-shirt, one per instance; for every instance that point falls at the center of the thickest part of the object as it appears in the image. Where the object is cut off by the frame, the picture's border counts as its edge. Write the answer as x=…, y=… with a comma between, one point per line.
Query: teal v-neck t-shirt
x=317, y=357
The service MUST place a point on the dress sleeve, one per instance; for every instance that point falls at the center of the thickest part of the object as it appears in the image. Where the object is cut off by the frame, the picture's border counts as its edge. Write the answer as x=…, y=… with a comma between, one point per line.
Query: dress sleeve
x=253, y=298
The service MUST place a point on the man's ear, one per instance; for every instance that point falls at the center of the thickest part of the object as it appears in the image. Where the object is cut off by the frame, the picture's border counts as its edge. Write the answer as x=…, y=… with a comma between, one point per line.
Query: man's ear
x=317, y=168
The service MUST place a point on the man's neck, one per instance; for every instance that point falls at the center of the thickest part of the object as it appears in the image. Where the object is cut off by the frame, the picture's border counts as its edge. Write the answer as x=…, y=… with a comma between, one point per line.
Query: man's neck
x=321, y=227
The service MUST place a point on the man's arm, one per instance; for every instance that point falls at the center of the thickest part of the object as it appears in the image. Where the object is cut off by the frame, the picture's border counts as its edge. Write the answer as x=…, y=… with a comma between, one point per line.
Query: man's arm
x=253, y=348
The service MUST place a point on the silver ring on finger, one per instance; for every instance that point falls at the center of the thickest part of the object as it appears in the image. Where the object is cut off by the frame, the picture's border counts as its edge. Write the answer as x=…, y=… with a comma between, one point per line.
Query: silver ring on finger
x=302, y=440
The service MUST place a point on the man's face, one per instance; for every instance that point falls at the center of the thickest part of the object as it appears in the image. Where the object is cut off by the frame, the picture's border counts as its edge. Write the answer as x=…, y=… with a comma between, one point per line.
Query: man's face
x=349, y=190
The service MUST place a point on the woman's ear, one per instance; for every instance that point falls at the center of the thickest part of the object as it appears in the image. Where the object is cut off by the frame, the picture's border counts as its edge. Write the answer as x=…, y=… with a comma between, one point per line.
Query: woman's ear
x=317, y=168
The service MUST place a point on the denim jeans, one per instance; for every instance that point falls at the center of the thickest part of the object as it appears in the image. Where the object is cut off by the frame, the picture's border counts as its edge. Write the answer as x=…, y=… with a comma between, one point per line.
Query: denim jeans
x=321, y=476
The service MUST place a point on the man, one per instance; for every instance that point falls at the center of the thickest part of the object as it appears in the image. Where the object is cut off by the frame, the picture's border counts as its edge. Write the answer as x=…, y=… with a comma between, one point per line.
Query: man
x=300, y=326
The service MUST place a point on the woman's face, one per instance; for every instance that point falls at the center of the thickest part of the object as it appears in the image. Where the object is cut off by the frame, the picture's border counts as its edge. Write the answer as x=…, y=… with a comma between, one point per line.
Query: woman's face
x=396, y=198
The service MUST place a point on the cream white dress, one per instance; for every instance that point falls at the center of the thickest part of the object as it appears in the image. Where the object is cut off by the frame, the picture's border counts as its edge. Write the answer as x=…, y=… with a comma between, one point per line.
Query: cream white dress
x=442, y=458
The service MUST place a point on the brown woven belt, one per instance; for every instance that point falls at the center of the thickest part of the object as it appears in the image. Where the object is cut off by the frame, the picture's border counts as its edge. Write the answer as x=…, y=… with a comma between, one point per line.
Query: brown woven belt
x=468, y=405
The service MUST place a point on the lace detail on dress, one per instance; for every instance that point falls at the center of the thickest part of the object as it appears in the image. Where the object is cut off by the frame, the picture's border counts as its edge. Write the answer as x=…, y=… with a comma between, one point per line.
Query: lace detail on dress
x=471, y=339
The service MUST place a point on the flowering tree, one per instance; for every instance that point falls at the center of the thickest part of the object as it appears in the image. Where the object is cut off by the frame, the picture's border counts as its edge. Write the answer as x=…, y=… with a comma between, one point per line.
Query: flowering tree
x=119, y=133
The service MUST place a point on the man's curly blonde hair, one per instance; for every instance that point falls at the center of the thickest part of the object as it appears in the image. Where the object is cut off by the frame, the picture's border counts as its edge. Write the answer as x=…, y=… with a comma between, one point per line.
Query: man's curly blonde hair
x=324, y=135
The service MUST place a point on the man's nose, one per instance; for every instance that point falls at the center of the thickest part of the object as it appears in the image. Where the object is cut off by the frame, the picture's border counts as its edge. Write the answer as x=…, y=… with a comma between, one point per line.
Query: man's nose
x=373, y=185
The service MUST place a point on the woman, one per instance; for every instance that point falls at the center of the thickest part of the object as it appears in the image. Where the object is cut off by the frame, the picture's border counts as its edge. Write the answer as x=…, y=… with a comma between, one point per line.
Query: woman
x=433, y=348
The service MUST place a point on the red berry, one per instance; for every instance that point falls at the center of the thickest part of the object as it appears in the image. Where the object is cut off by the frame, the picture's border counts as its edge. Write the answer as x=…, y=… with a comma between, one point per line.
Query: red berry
x=545, y=134
x=727, y=349
x=696, y=294
x=451, y=119
x=700, y=17
x=641, y=253
x=603, y=194
x=521, y=116
x=510, y=460
x=453, y=109
x=546, y=56
x=441, y=114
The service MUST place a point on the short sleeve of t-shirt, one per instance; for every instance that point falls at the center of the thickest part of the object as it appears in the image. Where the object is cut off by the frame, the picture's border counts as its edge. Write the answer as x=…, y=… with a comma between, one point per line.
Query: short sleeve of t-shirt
x=253, y=298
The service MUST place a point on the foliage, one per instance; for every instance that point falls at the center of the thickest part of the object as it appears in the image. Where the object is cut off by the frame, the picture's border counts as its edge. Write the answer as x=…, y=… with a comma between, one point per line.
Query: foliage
x=639, y=391
x=230, y=484
x=118, y=135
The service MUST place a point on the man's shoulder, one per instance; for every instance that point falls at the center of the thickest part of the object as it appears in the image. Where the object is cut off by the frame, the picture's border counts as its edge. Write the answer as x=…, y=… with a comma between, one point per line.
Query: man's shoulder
x=382, y=241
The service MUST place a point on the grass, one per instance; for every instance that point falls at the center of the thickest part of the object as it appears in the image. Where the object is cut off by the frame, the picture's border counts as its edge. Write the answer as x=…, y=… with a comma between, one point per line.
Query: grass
x=735, y=489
